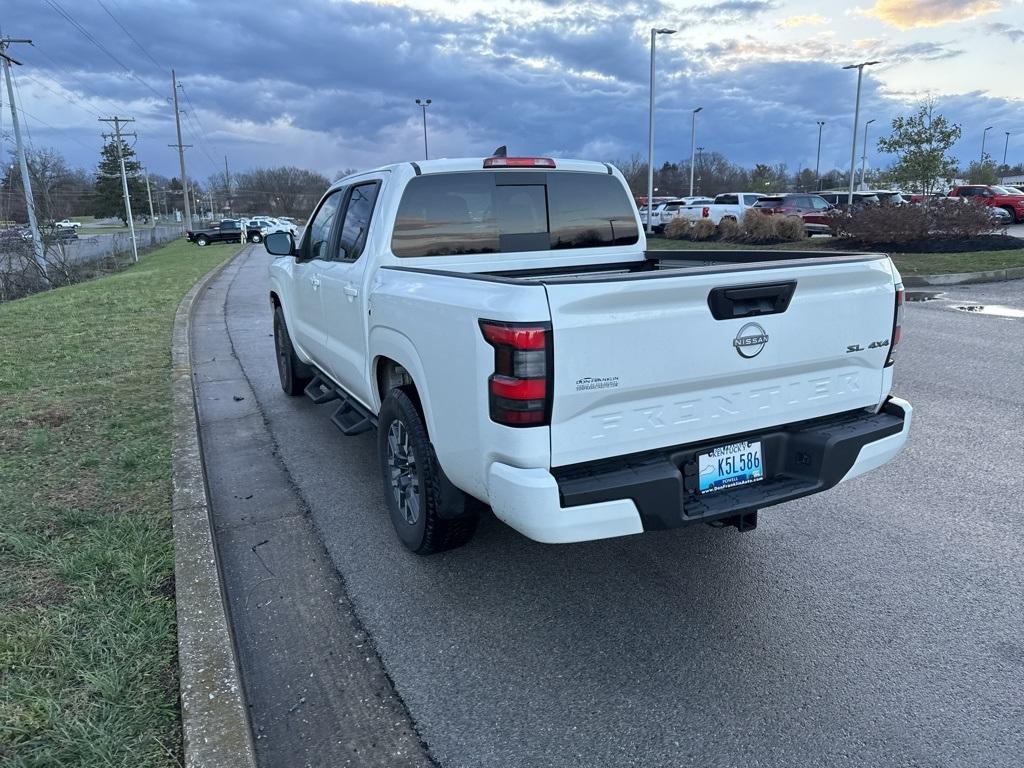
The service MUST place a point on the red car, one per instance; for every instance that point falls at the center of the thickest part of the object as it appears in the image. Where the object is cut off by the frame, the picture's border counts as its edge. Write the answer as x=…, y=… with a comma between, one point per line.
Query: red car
x=997, y=197
x=813, y=209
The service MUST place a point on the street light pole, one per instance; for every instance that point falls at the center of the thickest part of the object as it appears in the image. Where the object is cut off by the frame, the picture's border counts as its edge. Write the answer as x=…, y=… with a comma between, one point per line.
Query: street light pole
x=856, y=120
x=864, y=152
x=650, y=132
x=817, y=163
x=424, y=103
x=693, y=139
x=1005, y=145
x=983, y=134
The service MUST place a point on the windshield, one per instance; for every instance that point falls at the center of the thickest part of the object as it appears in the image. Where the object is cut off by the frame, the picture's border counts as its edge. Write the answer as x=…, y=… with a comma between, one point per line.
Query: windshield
x=512, y=211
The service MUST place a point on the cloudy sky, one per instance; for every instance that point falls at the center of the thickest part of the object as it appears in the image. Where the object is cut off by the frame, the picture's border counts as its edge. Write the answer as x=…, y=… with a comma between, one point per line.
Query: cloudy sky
x=330, y=84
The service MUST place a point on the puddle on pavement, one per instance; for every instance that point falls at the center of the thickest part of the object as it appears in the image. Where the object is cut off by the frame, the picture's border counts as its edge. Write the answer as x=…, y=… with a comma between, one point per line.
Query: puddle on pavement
x=990, y=309
x=922, y=295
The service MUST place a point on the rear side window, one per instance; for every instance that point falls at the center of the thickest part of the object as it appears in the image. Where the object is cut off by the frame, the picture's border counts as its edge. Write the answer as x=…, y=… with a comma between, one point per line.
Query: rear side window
x=727, y=200
x=511, y=211
x=357, y=221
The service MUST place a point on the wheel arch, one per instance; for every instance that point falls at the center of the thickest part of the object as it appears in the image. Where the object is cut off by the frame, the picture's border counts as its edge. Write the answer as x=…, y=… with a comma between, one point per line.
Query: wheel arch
x=395, y=362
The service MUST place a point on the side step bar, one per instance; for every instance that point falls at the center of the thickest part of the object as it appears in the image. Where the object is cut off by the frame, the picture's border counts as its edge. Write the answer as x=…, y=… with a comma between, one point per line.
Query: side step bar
x=350, y=417
x=320, y=391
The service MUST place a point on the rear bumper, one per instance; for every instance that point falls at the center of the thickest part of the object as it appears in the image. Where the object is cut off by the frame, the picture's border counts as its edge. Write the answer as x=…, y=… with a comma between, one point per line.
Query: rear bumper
x=659, y=489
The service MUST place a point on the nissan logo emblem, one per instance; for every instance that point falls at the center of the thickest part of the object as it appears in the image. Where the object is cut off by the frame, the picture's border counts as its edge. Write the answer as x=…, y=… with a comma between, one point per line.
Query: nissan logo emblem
x=750, y=340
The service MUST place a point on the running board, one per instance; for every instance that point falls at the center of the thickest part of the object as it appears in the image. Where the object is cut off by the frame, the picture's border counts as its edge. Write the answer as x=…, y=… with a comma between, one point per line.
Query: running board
x=321, y=391
x=351, y=417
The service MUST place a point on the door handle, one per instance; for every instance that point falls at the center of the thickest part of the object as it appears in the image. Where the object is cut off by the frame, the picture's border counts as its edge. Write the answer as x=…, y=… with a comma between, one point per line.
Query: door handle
x=351, y=292
x=315, y=282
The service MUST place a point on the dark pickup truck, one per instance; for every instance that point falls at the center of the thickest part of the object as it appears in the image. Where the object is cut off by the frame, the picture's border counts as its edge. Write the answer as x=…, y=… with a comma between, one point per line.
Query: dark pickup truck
x=227, y=231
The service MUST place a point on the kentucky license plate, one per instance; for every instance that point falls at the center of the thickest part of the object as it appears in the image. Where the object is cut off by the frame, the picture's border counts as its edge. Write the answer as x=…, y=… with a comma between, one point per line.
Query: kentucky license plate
x=731, y=465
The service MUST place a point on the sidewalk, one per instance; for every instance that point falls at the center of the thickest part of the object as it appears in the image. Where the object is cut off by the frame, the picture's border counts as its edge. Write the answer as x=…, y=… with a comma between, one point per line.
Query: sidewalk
x=317, y=692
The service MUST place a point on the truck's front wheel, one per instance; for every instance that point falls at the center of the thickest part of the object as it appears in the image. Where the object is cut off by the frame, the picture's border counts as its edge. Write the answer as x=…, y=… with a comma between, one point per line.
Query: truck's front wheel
x=429, y=513
x=295, y=374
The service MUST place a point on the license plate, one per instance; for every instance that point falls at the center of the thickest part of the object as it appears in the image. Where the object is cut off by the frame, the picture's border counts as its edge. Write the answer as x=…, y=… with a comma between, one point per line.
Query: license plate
x=730, y=465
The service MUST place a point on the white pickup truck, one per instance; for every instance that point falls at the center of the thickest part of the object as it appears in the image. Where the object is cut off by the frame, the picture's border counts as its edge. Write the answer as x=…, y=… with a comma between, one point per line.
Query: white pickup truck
x=502, y=326
x=727, y=205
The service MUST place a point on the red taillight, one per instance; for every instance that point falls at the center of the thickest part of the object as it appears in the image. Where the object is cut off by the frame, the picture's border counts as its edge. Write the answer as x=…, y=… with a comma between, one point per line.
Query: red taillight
x=897, y=326
x=519, y=162
x=520, y=388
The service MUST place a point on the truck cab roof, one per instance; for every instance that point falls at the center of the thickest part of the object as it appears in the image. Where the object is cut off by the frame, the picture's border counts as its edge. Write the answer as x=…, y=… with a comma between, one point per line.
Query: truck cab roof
x=462, y=164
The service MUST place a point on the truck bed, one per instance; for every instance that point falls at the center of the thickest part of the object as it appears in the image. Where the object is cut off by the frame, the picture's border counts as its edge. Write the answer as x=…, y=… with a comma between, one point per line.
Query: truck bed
x=660, y=263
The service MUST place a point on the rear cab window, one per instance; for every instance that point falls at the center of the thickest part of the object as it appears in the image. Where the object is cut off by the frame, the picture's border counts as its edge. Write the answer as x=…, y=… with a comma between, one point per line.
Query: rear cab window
x=506, y=211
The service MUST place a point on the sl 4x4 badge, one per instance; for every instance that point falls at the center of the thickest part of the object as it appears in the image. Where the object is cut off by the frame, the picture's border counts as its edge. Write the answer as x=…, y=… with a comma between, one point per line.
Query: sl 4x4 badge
x=872, y=345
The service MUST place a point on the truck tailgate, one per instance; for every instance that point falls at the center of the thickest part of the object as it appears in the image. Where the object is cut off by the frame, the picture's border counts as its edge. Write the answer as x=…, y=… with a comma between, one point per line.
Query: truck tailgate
x=641, y=362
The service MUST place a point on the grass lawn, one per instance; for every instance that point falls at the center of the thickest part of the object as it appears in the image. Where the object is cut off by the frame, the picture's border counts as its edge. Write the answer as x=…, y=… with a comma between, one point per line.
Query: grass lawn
x=88, y=671
x=907, y=263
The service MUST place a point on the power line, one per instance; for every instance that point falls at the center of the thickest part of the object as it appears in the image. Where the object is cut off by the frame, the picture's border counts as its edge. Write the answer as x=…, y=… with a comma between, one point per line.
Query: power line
x=88, y=36
x=75, y=79
x=66, y=96
x=130, y=35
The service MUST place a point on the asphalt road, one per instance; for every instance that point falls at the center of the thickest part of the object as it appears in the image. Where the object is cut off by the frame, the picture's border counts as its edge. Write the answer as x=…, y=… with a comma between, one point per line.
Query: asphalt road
x=879, y=624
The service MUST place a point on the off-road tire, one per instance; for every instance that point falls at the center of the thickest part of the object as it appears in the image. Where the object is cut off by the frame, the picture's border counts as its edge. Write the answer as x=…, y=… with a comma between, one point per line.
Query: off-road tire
x=294, y=374
x=446, y=517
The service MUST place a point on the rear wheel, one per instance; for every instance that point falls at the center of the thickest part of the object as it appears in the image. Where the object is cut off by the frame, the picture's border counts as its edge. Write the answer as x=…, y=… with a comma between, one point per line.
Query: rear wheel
x=428, y=512
x=256, y=238
x=294, y=374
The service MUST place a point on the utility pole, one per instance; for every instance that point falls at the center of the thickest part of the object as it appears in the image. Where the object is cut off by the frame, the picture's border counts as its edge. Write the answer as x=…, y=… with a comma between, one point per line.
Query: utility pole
x=424, y=103
x=181, y=152
x=37, y=239
x=864, y=154
x=149, y=196
x=1006, y=145
x=693, y=138
x=817, y=163
x=124, y=176
x=650, y=134
x=856, y=118
x=227, y=187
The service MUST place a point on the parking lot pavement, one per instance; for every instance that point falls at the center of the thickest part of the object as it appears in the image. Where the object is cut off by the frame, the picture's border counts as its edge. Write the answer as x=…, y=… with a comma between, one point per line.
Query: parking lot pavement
x=1017, y=230
x=878, y=624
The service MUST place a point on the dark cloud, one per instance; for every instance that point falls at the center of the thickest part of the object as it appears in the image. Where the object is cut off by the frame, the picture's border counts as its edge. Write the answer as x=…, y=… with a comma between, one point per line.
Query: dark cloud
x=331, y=85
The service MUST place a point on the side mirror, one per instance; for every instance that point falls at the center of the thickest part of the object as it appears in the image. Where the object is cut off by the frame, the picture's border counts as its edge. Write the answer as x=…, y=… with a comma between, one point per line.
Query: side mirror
x=280, y=244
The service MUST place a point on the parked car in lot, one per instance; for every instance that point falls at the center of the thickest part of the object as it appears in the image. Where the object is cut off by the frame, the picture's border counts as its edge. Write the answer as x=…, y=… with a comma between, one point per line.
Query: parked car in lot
x=226, y=231
x=839, y=198
x=270, y=225
x=501, y=324
x=993, y=195
x=674, y=209
x=813, y=209
x=1000, y=216
x=14, y=235
x=729, y=205
x=67, y=224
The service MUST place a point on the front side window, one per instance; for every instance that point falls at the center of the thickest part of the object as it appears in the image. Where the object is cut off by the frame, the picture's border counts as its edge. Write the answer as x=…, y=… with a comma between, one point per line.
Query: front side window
x=357, y=221
x=511, y=211
x=319, y=230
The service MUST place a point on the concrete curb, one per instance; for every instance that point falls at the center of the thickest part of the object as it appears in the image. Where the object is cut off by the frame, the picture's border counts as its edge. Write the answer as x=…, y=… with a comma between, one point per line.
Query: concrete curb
x=965, y=278
x=214, y=715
